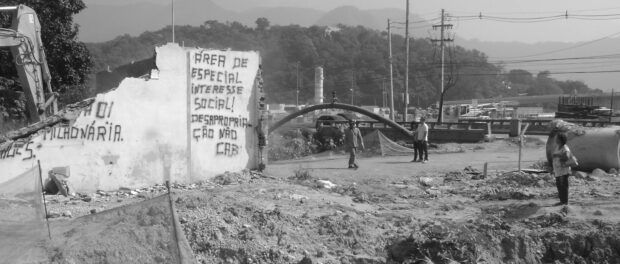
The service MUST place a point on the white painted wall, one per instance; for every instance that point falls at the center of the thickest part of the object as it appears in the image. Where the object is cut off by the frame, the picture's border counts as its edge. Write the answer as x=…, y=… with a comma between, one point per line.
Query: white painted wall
x=137, y=135
x=223, y=108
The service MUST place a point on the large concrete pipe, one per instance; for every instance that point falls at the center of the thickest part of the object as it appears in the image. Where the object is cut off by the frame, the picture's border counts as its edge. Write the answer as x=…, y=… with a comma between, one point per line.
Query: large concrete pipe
x=593, y=147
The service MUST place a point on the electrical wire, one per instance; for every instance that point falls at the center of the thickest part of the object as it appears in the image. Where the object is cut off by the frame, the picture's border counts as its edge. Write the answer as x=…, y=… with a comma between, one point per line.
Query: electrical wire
x=537, y=19
x=568, y=48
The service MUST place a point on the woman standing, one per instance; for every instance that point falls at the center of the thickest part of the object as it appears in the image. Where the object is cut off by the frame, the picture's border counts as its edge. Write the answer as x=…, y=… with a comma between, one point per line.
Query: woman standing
x=561, y=167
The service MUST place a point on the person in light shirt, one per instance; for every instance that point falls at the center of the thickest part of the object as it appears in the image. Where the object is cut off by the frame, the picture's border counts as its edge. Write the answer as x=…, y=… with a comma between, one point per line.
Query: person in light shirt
x=422, y=139
x=561, y=169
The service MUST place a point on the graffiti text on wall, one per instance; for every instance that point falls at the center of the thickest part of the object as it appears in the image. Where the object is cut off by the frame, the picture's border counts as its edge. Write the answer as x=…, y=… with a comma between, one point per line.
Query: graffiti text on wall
x=91, y=132
x=102, y=109
x=98, y=130
x=17, y=149
x=220, y=89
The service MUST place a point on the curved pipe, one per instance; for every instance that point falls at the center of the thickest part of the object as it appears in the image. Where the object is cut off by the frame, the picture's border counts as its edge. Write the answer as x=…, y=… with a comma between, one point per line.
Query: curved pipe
x=343, y=107
x=594, y=148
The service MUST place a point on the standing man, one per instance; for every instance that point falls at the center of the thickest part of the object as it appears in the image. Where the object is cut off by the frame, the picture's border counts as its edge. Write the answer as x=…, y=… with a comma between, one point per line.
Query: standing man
x=422, y=139
x=414, y=127
x=351, y=137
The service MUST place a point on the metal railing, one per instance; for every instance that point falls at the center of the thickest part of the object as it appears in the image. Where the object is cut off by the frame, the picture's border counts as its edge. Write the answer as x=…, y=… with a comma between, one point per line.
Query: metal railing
x=498, y=126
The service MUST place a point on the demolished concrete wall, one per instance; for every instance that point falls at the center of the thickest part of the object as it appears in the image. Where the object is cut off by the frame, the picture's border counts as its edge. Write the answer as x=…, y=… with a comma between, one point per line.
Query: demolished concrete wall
x=184, y=126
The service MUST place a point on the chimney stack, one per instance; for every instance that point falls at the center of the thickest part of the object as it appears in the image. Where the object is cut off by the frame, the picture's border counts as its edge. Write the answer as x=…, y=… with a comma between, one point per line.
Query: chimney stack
x=318, y=85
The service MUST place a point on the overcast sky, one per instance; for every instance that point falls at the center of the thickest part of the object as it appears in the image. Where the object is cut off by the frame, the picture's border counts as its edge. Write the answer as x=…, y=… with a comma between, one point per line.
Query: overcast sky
x=562, y=30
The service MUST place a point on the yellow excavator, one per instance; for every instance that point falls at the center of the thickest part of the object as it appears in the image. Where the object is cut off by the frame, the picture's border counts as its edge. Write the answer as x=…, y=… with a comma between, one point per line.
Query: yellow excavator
x=24, y=39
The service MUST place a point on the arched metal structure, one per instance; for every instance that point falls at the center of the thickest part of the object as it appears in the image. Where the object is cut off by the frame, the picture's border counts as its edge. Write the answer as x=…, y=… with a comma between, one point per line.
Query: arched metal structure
x=343, y=107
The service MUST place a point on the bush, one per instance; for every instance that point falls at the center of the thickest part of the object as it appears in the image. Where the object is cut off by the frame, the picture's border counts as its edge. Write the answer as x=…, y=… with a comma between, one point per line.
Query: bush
x=284, y=148
x=302, y=174
x=541, y=165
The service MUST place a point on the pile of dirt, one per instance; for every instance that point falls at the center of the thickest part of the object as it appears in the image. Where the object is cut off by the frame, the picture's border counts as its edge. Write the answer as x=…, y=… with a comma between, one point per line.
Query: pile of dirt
x=518, y=179
x=237, y=235
x=469, y=173
x=221, y=229
x=139, y=233
x=492, y=240
x=229, y=178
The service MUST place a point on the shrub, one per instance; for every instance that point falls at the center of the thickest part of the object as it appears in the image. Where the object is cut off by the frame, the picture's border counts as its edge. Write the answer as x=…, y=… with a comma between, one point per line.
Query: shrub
x=302, y=174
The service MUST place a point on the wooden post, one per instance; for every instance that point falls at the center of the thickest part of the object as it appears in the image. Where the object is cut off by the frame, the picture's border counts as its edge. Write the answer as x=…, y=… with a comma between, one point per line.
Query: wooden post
x=486, y=167
x=521, y=143
x=47, y=221
x=489, y=131
x=174, y=217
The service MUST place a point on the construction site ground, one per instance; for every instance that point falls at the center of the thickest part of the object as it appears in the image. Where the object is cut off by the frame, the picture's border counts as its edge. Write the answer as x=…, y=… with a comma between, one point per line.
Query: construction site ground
x=390, y=210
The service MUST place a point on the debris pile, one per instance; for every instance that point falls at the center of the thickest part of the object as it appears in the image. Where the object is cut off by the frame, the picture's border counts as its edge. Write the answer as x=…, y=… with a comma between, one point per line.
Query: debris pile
x=519, y=179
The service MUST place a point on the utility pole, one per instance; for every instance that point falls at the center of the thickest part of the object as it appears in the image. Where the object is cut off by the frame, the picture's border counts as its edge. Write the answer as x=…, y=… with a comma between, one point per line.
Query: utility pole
x=383, y=93
x=406, y=95
x=611, y=113
x=442, y=40
x=391, y=76
x=172, y=21
x=297, y=89
x=352, y=83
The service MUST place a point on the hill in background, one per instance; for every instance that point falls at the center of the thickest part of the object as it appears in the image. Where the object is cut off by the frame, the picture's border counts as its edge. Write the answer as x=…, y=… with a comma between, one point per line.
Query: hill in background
x=102, y=22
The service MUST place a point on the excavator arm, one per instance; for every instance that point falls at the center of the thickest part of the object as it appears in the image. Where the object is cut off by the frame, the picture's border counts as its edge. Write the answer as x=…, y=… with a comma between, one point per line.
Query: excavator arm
x=24, y=39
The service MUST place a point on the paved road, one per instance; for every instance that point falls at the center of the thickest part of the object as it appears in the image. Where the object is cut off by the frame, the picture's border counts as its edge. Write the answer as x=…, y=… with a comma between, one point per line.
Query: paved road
x=498, y=156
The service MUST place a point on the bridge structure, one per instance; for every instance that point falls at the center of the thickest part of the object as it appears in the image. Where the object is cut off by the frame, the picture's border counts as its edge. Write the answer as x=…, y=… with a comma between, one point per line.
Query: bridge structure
x=379, y=119
x=601, y=99
x=470, y=130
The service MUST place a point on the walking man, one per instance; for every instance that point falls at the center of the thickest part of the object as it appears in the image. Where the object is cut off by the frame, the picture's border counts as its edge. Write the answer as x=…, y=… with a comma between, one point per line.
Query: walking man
x=422, y=139
x=351, y=137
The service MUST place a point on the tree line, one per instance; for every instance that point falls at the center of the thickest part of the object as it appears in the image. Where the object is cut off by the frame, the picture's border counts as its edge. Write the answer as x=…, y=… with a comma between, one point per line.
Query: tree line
x=354, y=59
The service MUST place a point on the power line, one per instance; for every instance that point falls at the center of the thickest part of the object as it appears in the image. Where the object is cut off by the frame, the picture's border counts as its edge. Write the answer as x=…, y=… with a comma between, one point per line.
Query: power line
x=568, y=48
x=537, y=19
x=344, y=85
x=426, y=21
x=549, y=61
x=550, y=73
x=546, y=12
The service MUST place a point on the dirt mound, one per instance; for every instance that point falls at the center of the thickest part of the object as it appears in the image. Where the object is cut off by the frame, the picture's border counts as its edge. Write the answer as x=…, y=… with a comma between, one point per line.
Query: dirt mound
x=139, y=233
x=237, y=235
x=516, y=179
x=494, y=241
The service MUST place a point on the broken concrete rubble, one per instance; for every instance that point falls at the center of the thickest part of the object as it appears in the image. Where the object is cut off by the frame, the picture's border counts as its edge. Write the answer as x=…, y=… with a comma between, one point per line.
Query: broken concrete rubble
x=325, y=184
x=427, y=181
x=598, y=173
x=580, y=174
